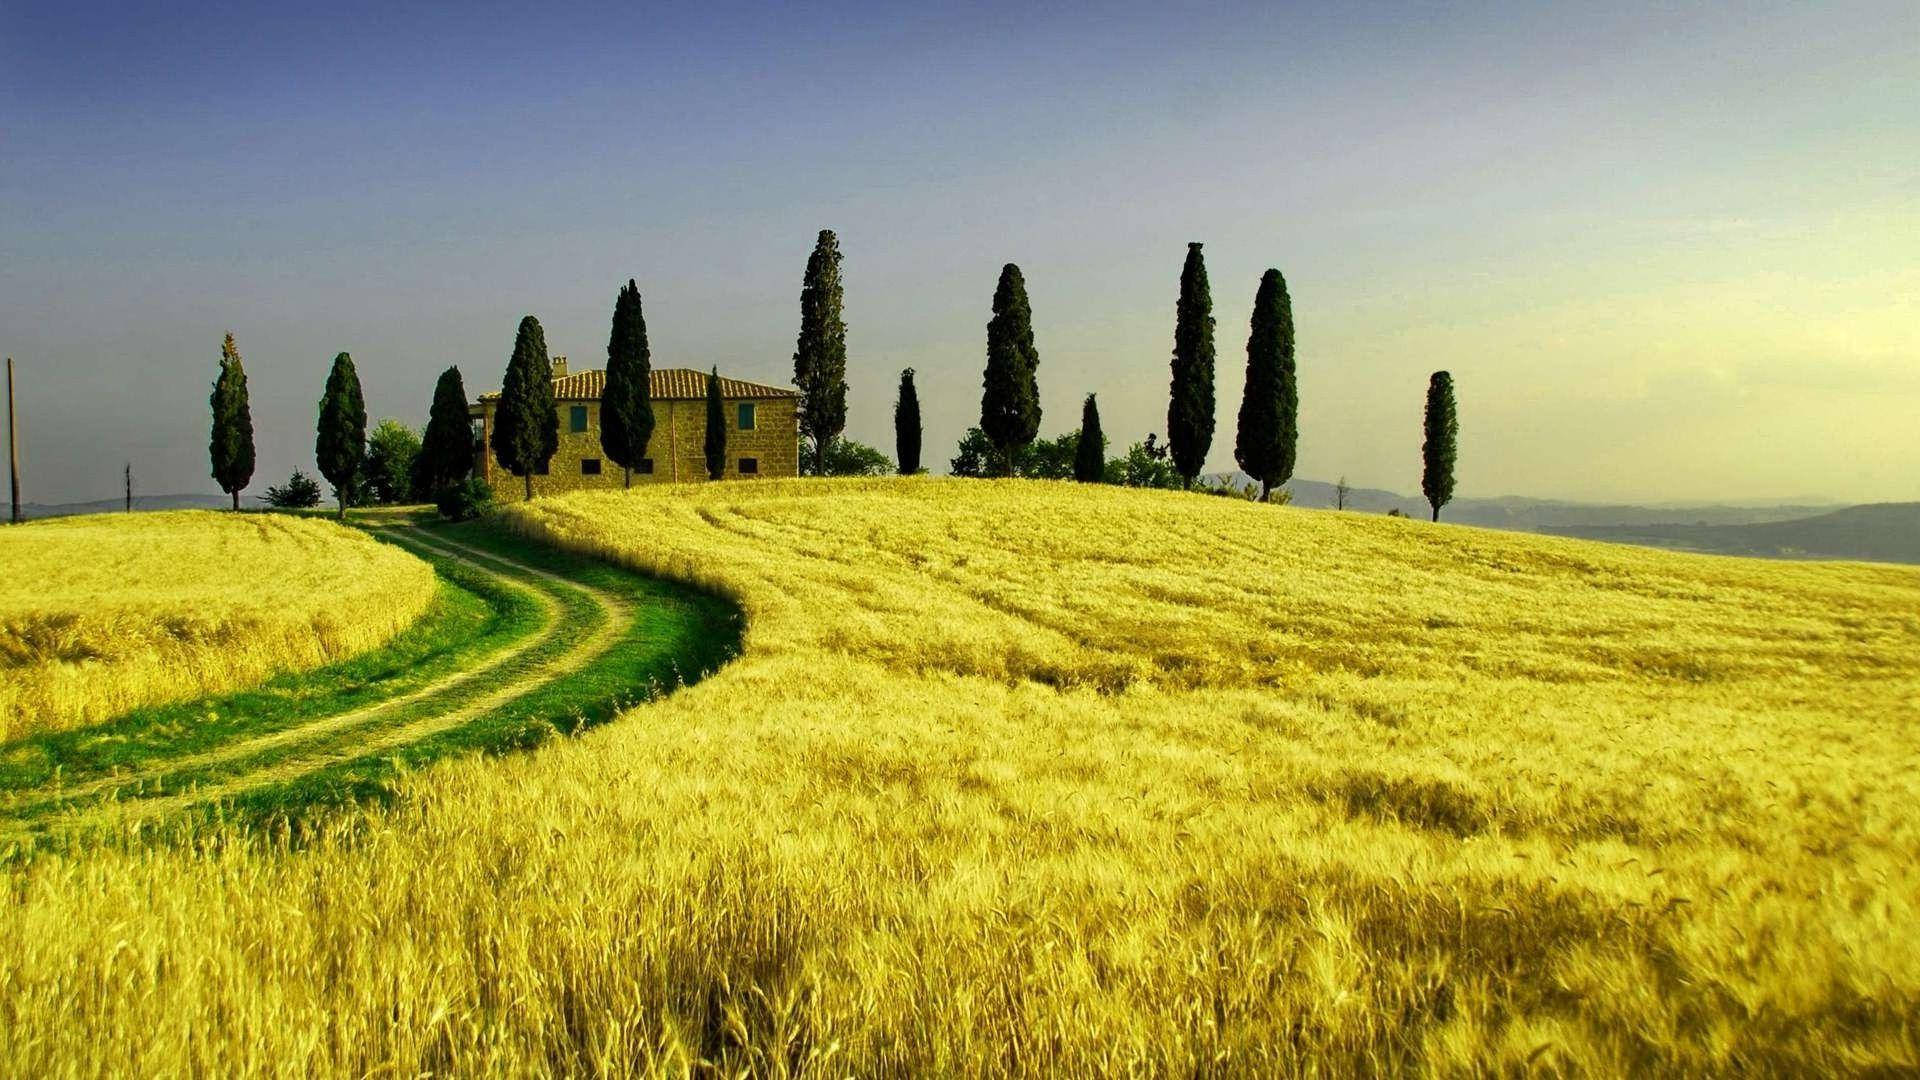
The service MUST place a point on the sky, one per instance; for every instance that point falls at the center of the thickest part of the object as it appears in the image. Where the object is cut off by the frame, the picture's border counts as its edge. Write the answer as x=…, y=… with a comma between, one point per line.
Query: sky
x=1668, y=253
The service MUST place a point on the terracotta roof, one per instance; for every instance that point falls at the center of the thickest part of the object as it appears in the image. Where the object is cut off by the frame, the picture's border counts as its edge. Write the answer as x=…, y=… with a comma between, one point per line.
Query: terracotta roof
x=667, y=384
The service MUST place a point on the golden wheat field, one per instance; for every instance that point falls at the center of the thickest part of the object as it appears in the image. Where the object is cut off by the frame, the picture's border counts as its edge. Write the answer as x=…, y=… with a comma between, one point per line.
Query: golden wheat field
x=1023, y=777
x=102, y=613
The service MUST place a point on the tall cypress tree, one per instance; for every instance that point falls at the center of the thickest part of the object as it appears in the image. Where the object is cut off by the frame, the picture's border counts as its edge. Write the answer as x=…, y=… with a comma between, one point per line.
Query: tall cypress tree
x=1269, y=409
x=906, y=425
x=526, y=429
x=716, y=428
x=1437, y=453
x=1190, y=406
x=626, y=402
x=446, y=450
x=232, y=445
x=1010, y=398
x=1090, y=457
x=340, y=445
x=820, y=352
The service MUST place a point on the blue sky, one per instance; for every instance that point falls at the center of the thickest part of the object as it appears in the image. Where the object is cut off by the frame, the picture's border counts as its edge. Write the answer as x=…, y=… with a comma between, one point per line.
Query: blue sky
x=1668, y=253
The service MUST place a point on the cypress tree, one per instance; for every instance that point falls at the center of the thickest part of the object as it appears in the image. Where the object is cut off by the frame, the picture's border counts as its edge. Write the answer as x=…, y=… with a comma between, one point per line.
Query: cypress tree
x=820, y=352
x=526, y=429
x=1269, y=409
x=1437, y=453
x=446, y=450
x=1010, y=399
x=340, y=445
x=1190, y=407
x=906, y=426
x=626, y=402
x=716, y=429
x=1090, y=457
x=232, y=445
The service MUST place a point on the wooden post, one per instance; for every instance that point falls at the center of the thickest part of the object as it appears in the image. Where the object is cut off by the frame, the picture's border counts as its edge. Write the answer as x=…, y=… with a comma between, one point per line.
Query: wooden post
x=13, y=446
x=129, y=487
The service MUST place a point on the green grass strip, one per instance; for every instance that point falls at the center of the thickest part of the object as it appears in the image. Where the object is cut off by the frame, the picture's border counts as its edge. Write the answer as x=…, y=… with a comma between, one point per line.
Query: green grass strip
x=675, y=634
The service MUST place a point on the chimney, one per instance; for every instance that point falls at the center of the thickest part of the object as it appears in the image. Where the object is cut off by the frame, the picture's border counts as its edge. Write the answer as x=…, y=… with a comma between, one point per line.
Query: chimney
x=559, y=367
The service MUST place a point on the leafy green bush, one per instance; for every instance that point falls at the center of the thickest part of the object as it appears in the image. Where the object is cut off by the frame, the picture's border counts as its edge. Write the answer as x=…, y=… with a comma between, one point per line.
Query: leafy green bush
x=1146, y=465
x=848, y=458
x=464, y=499
x=392, y=449
x=300, y=491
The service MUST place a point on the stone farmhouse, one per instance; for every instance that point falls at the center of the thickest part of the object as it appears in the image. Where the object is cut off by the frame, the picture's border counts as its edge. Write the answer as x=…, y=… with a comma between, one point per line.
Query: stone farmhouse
x=763, y=433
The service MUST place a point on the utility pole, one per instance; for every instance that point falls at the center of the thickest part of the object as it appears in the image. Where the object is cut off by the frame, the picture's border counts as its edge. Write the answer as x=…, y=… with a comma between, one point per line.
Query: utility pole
x=129, y=487
x=13, y=446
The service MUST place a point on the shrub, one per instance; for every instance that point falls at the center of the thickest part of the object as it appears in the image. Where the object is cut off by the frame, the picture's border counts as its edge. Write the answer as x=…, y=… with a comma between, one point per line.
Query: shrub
x=1146, y=465
x=300, y=491
x=1226, y=488
x=464, y=499
x=845, y=457
x=392, y=450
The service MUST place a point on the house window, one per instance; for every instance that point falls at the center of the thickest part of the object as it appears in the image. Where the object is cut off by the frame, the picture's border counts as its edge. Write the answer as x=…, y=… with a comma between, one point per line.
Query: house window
x=590, y=466
x=577, y=419
x=746, y=416
x=645, y=467
x=749, y=466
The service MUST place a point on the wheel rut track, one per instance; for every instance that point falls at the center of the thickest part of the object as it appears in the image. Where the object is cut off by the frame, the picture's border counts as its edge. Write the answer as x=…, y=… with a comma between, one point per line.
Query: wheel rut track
x=118, y=800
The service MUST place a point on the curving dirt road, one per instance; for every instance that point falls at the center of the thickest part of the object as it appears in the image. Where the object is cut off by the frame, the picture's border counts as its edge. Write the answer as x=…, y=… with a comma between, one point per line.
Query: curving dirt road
x=579, y=623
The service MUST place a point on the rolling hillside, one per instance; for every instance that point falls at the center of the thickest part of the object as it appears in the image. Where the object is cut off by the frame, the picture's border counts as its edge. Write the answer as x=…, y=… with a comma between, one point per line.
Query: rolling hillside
x=99, y=614
x=1019, y=777
x=1881, y=532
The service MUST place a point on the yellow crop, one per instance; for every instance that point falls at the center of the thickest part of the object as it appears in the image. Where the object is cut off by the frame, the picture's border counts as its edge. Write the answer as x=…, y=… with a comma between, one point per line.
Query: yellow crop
x=1026, y=777
x=103, y=613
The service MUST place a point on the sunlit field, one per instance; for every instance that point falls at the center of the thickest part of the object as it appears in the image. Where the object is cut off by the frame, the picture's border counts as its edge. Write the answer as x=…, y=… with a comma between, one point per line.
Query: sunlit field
x=102, y=613
x=1028, y=777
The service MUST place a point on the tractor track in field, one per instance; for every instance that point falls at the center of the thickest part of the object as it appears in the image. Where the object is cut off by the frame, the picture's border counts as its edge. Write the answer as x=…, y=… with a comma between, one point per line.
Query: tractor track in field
x=169, y=784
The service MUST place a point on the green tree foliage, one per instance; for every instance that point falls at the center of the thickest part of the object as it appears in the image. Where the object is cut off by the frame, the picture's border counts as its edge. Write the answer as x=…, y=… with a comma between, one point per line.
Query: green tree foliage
x=1443, y=433
x=846, y=457
x=463, y=499
x=232, y=445
x=392, y=453
x=626, y=402
x=906, y=425
x=446, y=450
x=1010, y=396
x=1049, y=459
x=820, y=352
x=1268, y=435
x=1146, y=465
x=716, y=428
x=526, y=429
x=1090, y=448
x=298, y=493
x=1190, y=406
x=340, y=445
x=1042, y=459
x=974, y=456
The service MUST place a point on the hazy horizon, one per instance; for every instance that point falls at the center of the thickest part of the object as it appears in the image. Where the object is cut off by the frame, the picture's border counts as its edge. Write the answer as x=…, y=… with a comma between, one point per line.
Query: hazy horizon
x=1668, y=256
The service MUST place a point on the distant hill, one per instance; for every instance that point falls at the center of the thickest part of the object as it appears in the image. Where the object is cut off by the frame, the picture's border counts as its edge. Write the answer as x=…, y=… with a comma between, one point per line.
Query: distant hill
x=1539, y=515
x=140, y=502
x=1881, y=532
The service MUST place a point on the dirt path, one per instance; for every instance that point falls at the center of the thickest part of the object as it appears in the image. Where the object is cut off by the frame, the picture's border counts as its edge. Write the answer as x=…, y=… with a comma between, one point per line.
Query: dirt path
x=166, y=785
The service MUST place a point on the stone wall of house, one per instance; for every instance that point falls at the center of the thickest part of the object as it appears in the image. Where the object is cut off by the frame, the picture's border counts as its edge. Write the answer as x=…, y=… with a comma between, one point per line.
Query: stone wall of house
x=678, y=448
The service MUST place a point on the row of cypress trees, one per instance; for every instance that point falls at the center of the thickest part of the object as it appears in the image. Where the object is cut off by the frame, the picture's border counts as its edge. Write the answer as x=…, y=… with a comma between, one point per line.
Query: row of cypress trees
x=1268, y=431
x=1267, y=438
x=525, y=434
x=340, y=434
